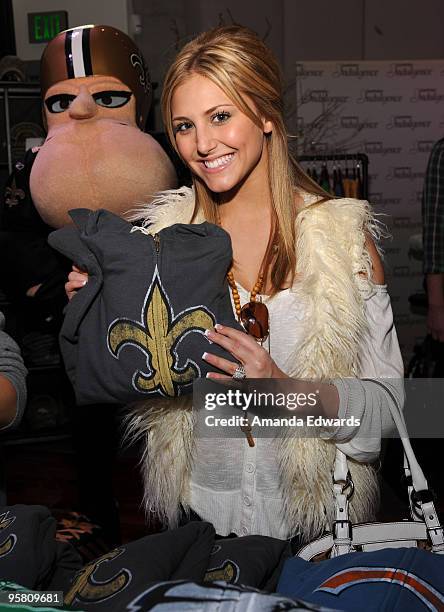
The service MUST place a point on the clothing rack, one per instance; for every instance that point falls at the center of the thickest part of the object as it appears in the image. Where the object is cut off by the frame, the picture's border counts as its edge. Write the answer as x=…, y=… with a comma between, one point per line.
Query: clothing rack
x=334, y=158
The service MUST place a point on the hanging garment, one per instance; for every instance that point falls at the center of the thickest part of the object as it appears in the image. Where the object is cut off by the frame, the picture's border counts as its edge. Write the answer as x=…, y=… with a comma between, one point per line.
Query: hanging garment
x=338, y=185
x=324, y=178
x=314, y=174
x=359, y=181
x=353, y=185
x=346, y=181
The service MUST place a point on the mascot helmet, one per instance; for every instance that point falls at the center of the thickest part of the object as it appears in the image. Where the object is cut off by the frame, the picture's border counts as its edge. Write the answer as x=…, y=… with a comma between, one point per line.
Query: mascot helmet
x=97, y=50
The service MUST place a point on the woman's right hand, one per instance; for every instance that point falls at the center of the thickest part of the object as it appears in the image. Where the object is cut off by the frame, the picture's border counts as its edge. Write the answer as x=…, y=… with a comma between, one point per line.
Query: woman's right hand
x=76, y=280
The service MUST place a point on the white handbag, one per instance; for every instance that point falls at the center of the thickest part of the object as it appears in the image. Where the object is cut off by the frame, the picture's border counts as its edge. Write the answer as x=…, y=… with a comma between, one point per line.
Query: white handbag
x=423, y=530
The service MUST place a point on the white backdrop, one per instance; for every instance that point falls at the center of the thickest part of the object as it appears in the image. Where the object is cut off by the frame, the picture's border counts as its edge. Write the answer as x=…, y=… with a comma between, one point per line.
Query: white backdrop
x=393, y=112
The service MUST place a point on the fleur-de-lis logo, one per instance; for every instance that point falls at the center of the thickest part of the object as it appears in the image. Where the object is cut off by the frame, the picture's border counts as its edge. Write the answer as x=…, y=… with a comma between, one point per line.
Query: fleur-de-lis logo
x=138, y=62
x=7, y=545
x=6, y=520
x=86, y=587
x=13, y=195
x=228, y=571
x=158, y=335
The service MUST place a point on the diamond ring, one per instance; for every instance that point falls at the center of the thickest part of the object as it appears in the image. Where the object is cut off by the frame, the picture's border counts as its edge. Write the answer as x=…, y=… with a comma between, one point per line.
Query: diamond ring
x=239, y=373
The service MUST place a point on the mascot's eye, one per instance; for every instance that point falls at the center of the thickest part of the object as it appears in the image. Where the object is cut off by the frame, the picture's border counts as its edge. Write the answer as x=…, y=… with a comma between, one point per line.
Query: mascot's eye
x=59, y=103
x=112, y=99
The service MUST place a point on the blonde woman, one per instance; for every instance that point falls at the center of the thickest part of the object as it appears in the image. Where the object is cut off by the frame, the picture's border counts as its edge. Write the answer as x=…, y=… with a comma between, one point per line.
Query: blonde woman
x=308, y=262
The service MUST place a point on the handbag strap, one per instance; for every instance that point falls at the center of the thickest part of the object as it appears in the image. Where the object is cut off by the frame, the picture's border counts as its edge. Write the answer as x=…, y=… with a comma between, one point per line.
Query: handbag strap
x=420, y=497
x=342, y=490
x=408, y=480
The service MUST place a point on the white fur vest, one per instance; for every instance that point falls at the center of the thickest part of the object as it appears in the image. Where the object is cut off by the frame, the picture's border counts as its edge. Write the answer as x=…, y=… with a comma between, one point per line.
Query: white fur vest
x=332, y=267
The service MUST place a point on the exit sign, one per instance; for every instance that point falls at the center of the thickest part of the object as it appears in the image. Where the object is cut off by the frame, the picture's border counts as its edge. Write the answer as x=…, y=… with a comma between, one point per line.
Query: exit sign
x=42, y=27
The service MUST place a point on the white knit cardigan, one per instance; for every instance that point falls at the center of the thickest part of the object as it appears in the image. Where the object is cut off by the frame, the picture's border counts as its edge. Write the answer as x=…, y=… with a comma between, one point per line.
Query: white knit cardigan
x=333, y=270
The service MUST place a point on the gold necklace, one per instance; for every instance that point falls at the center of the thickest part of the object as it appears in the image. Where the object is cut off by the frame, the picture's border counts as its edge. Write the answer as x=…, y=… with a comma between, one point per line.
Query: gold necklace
x=253, y=316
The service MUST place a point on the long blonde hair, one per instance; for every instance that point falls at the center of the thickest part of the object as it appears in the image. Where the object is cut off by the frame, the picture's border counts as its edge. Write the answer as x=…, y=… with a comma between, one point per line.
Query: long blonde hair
x=237, y=61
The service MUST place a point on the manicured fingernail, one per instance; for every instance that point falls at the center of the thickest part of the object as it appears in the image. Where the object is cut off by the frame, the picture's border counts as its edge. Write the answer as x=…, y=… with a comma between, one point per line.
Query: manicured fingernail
x=205, y=355
x=208, y=375
x=84, y=283
x=218, y=326
x=207, y=333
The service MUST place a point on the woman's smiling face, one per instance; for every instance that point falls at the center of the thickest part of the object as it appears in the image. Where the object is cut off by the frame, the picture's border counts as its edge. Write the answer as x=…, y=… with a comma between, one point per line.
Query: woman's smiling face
x=218, y=142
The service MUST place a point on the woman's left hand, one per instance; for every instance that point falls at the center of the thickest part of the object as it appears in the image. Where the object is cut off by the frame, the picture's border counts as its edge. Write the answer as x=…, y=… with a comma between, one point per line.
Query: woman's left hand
x=255, y=359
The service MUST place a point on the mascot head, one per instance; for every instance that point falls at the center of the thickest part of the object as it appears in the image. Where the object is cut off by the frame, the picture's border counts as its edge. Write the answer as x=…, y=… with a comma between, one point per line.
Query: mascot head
x=90, y=51
x=97, y=94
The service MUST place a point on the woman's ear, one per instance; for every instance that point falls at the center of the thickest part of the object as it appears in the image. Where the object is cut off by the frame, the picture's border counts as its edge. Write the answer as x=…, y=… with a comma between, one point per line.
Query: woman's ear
x=268, y=126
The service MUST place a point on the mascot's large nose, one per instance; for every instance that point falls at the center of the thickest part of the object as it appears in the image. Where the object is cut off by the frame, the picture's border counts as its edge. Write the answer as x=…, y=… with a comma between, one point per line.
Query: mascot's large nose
x=83, y=106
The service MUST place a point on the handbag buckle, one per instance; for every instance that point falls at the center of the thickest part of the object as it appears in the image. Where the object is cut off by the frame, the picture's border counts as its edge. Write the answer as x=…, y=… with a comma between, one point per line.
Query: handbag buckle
x=418, y=498
x=341, y=525
x=422, y=497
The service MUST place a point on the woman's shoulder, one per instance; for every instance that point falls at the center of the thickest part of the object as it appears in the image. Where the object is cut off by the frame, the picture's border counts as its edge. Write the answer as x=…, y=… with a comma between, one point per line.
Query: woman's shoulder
x=346, y=215
x=313, y=202
x=345, y=225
